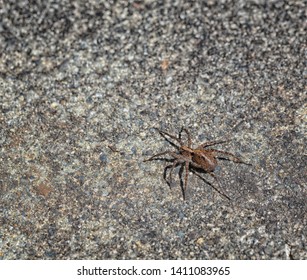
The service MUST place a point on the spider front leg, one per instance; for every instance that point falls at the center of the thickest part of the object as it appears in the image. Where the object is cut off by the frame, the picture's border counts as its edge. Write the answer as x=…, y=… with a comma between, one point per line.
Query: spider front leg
x=160, y=154
x=212, y=143
x=229, y=156
x=188, y=134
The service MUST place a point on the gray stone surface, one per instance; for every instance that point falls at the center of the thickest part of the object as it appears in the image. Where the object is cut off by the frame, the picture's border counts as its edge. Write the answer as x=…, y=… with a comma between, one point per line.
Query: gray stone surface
x=83, y=84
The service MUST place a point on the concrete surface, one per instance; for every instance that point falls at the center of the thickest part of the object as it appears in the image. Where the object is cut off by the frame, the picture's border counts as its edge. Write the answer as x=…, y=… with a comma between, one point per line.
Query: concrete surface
x=83, y=84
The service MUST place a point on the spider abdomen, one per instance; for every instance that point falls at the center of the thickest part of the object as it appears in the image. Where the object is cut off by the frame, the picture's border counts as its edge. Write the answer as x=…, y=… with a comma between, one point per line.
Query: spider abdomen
x=205, y=159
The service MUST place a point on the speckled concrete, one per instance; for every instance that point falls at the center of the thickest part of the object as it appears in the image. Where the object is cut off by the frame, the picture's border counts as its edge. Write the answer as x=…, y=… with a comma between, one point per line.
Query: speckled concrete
x=83, y=84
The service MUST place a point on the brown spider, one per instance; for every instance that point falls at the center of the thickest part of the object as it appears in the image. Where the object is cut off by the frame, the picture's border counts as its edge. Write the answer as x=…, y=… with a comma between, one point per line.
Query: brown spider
x=200, y=158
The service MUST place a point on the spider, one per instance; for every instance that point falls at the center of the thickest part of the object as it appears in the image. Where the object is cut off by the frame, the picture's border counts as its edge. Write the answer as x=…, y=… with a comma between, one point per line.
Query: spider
x=201, y=158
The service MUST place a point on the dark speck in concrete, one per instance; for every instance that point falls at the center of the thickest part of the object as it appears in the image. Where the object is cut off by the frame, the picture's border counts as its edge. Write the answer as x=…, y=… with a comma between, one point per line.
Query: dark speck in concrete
x=103, y=158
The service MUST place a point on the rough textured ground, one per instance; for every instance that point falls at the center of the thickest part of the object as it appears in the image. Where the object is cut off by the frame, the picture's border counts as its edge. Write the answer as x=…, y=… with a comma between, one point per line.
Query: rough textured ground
x=83, y=84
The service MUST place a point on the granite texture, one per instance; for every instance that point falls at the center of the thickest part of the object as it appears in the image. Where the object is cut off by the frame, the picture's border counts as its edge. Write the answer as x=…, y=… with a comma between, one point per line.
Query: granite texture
x=83, y=84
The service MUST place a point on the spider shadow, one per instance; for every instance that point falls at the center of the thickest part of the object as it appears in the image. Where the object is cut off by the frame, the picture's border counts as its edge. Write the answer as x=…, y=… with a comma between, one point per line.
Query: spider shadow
x=217, y=188
x=198, y=172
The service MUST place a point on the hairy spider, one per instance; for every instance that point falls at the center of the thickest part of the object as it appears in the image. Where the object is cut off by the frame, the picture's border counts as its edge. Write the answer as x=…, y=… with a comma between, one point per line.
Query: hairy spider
x=200, y=158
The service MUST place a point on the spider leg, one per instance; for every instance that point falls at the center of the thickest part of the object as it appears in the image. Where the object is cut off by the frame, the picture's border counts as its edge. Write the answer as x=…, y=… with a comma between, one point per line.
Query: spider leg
x=229, y=156
x=186, y=179
x=188, y=134
x=180, y=159
x=163, y=133
x=160, y=154
x=176, y=161
x=211, y=143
